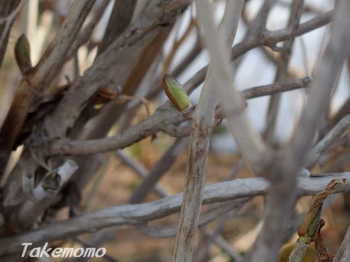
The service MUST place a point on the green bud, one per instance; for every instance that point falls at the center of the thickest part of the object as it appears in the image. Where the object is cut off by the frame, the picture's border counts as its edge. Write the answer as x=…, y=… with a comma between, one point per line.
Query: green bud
x=176, y=94
x=22, y=53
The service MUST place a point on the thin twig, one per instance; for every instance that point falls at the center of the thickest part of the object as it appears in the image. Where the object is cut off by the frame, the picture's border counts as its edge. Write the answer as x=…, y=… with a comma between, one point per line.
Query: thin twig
x=282, y=71
x=158, y=171
x=8, y=20
x=85, y=34
x=139, y=170
x=334, y=134
x=268, y=38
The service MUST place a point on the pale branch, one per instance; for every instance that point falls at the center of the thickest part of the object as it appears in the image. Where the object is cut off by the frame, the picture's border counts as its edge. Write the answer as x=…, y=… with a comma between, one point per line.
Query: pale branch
x=141, y=213
x=323, y=145
x=226, y=247
x=54, y=58
x=256, y=29
x=140, y=170
x=214, y=236
x=152, y=178
x=248, y=139
x=282, y=71
x=281, y=199
x=158, y=171
x=203, y=124
x=40, y=197
x=278, y=87
x=325, y=76
x=85, y=34
x=166, y=115
x=168, y=231
x=268, y=38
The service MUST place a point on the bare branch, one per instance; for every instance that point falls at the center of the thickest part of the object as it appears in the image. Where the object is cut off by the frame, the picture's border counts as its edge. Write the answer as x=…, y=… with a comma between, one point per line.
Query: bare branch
x=203, y=125
x=165, y=115
x=276, y=88
x=158, y=171
x=85, y=34
x=141, y=213
x=268, y=38
x=282, y=70
x=8, y=11
x=284, y=170
x=226, y=247
x=207, y=217
x=334, y=134
x=53, y=60
x=325, y=76
x=247, y=138
x=140, y=170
